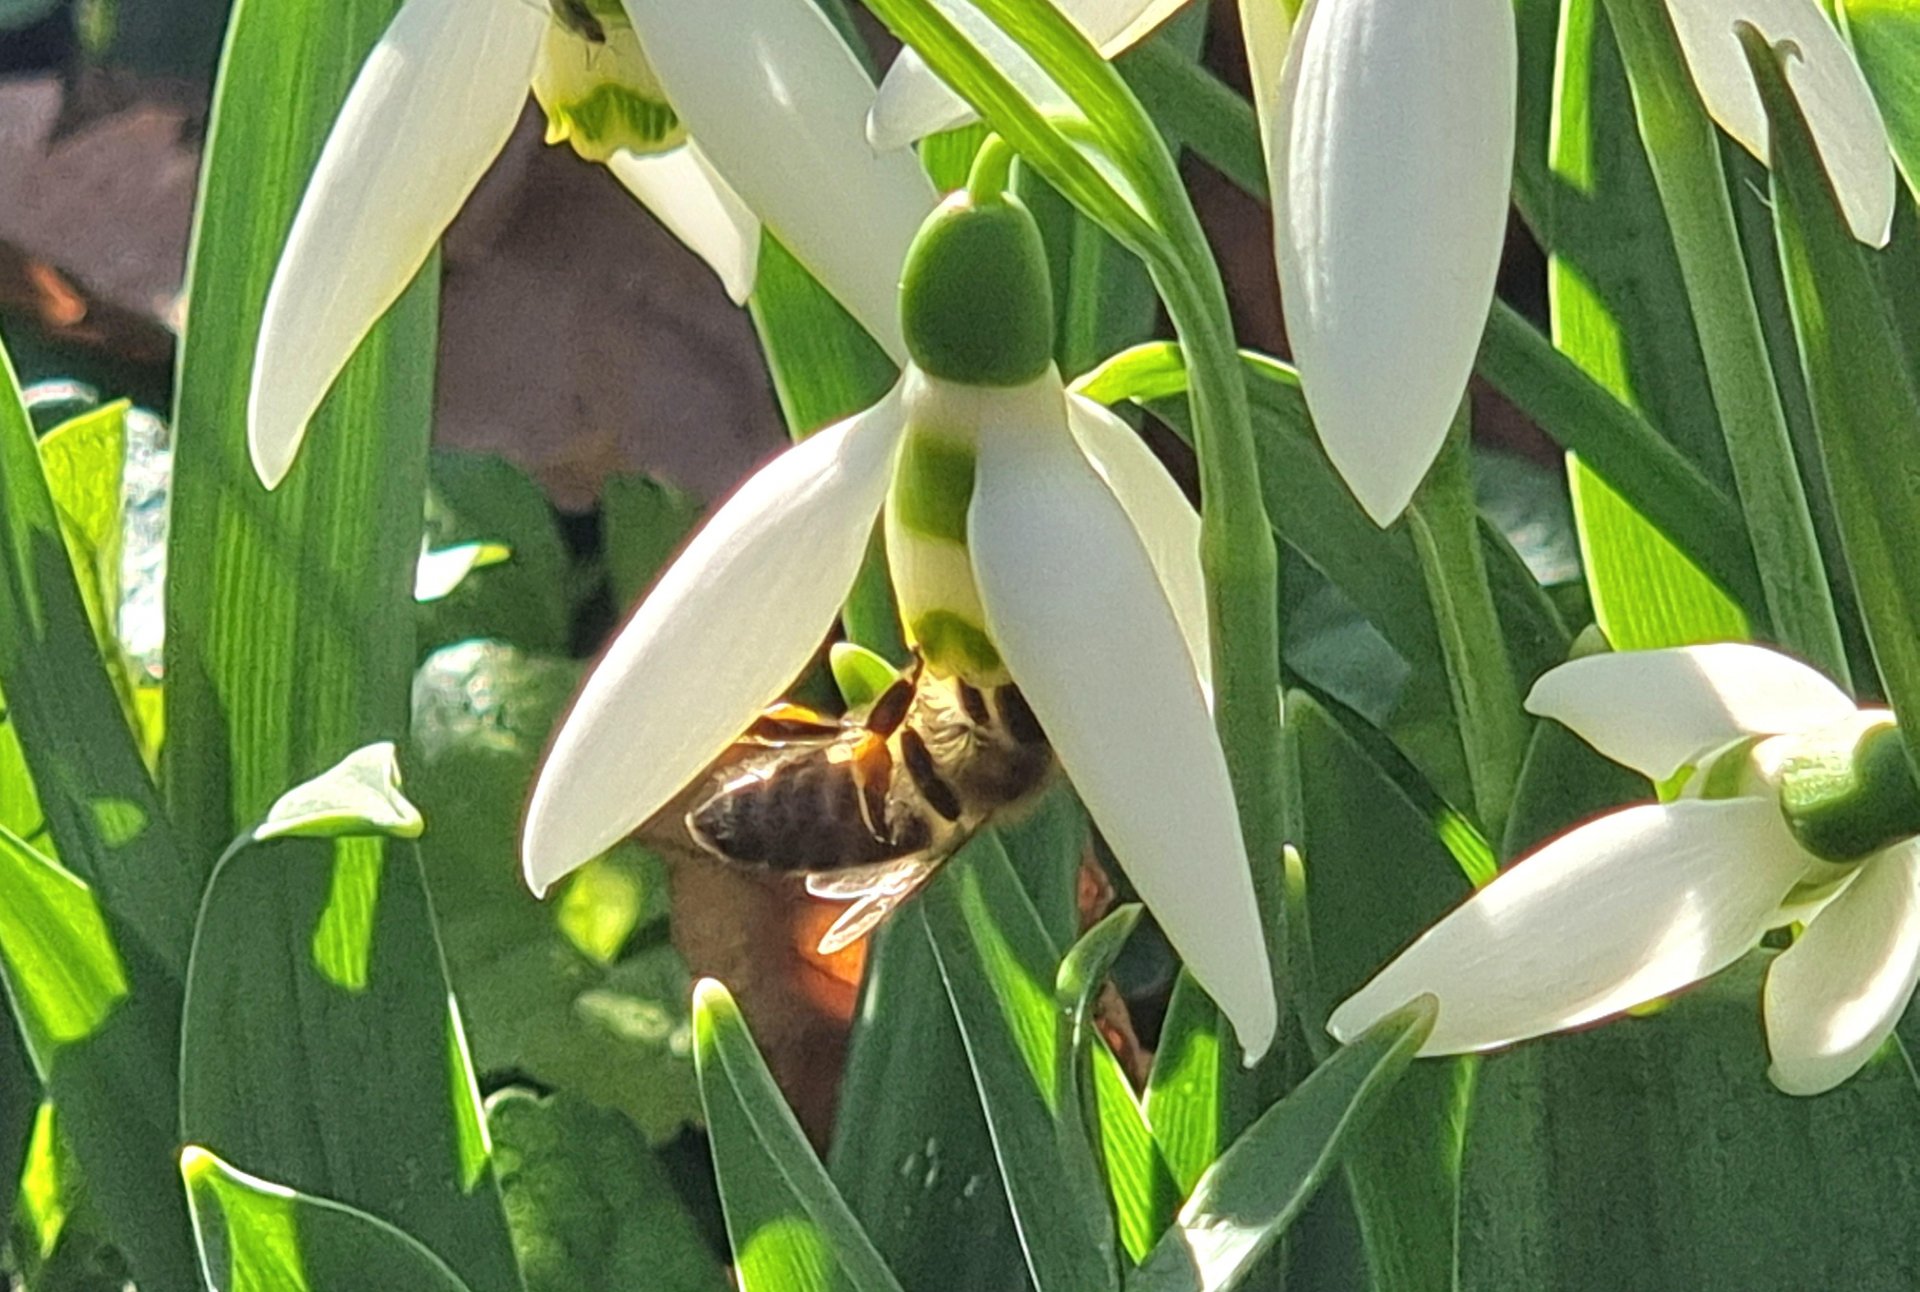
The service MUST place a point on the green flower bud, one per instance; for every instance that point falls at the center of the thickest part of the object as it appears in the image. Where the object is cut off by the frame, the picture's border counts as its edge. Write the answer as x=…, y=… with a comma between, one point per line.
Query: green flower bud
x=975, y=298
x=1848, y=792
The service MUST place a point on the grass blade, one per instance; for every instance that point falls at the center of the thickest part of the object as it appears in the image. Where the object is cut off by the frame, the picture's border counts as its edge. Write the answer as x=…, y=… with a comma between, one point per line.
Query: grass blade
x=791, y=1230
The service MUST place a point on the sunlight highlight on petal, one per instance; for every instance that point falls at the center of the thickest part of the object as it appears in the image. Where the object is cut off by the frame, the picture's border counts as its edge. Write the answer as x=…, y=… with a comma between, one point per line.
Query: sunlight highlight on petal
x=687, y=195
x=1657, y=710
x=1075, y=606
x=430, y=110
x=1834, y=996
x=1846, y=123
x=1627, y=908
x=1390, y=165
x=719, y=637
x=778, y=104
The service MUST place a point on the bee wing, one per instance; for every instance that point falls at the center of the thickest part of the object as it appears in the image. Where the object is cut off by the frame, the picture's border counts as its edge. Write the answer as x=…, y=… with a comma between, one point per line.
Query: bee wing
x=875, y=892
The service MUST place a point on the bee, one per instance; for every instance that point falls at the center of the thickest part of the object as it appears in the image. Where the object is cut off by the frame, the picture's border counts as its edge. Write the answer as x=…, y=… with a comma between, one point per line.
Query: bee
x=868, y=807
x=579, y=19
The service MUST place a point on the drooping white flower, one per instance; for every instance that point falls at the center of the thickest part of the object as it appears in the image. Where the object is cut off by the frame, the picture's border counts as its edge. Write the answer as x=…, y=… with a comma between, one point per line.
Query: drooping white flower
x=1646, y=900
x=670, y=96
x=1033, y=539
x=913, y=102
x=1389, y=159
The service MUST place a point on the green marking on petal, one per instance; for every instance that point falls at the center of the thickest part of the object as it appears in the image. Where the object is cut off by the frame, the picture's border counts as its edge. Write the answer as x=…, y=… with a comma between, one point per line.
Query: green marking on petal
x=611, y=118
x=933, y=486
x=598, y=90
x=954, y=645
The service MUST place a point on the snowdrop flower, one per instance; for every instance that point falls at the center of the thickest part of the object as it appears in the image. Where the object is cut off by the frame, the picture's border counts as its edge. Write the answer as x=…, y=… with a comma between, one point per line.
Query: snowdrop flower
x=1799, y=808
x=1033, y=539
x=913, y=102
x=670, y=96
x=1389, y=134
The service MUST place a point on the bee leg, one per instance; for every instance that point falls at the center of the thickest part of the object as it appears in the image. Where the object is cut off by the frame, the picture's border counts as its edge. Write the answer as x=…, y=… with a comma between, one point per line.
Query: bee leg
x=873, y=773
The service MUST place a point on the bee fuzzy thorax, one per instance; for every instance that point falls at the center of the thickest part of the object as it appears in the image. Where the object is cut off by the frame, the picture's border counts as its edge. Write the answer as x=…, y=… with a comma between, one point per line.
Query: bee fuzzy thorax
x=868, y=808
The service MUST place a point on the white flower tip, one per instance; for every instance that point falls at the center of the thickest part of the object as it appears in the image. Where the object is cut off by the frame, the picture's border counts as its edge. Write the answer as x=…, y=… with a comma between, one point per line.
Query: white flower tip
x=544, y=859
x=1255, y=1024
x=274, y=431
x=1791, y=1080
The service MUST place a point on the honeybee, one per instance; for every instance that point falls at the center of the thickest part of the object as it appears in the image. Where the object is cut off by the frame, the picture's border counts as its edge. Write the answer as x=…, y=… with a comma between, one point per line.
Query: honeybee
x=577, y=18
x=868, y=807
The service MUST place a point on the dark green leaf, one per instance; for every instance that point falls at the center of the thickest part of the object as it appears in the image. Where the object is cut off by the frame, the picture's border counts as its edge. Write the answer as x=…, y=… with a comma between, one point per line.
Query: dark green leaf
x=1000, y=972
x=19, y=1098
x=260, y=1237
x=1667, y=1129
x=1377, y=875
x=1864, y=402
x=290, y=615
x=1248, y=1198
x=591, y=1208
x=317, y=984
x=790, y=1229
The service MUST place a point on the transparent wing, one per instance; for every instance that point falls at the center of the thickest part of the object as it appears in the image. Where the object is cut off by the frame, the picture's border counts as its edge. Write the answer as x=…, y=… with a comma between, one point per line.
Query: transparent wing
x=875, y=892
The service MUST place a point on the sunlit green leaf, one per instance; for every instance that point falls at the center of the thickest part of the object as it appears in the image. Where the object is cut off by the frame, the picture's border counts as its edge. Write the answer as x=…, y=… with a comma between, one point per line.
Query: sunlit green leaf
x=317, y=984
x=791, y=1230
x=63, y=973
x=1865, y=405
x=261, y=1237
x=1246, y=1200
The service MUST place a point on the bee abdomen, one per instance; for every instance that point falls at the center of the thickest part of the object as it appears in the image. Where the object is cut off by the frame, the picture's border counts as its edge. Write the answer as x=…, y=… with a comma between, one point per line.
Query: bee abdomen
x=803, y=816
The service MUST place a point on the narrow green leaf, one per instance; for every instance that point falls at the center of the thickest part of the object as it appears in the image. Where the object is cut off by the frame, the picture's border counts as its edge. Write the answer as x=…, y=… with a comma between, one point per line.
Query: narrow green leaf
x=790, y=1229
x=1864, y=402
x=1646, y=592
x=1684, y=151
x=592, y=1208
x=82, y=757
x=1376, y=875
x=1248, y=1198
x=290, y=615
x=260, y=1237
x=84, y=459
x=1666, y=1128
x=19, y=1098
x=1445, y=524
x=62, y=972
x=1000, y=974
x=115, y=1083
x=317, y=984
x=1885, y=36
x=1083, y=972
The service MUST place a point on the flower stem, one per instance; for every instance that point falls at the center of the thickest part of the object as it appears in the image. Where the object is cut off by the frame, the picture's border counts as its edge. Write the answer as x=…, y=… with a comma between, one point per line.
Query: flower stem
x=1445, y=525
x=1684, y=151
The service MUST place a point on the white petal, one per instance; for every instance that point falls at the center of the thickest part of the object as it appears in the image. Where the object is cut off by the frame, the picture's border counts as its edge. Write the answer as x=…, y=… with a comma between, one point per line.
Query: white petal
x=1658, y=710
x=1390, y=163
x=719, y=637
x=683, y=190
x=1631, y=906
x=1846, y=124
x=1073, y=602
x=778, y=104
x=1835, y=995
x=1161, y=515
x=914, y=103
x=431, y=108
